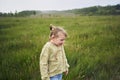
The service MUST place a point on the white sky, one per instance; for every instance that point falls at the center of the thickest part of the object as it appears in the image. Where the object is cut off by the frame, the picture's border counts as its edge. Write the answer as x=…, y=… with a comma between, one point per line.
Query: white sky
x=20, y=5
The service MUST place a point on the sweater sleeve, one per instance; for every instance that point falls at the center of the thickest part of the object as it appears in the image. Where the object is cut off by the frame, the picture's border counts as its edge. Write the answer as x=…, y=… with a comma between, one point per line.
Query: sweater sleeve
x=44, y=63
x=66, y=62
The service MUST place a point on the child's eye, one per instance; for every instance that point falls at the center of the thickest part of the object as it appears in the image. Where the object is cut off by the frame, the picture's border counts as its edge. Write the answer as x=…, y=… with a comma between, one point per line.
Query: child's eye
x=62, y=39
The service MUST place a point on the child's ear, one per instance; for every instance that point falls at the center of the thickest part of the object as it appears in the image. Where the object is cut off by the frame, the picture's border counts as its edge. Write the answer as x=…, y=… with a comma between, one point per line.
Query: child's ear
x=52, y=27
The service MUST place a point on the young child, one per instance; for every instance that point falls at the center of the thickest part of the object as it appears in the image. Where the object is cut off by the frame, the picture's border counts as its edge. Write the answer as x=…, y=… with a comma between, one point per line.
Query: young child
x=53, y=60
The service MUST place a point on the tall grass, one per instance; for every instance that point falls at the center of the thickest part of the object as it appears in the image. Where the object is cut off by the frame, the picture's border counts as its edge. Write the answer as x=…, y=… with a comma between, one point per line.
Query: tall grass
x=92, y=47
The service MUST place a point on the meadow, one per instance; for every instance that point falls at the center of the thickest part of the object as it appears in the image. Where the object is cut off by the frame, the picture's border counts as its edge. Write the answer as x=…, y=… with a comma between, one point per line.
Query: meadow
x=92, y=46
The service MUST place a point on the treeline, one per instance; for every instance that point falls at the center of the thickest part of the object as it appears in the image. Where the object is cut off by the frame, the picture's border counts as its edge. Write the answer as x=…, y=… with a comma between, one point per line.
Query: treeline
x=18, y=14
x=98, y=10
x=95, y=10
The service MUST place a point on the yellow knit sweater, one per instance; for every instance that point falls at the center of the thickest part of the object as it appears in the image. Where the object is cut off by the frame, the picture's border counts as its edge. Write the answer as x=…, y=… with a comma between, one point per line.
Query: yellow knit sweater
x=52, y=61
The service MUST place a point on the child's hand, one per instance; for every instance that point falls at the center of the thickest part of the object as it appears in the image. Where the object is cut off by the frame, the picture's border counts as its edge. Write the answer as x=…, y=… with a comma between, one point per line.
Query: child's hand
x=66, y=72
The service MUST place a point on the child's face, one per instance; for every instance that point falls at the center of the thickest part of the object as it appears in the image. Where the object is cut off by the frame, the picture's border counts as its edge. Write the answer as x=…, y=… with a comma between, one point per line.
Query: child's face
x=60, y=39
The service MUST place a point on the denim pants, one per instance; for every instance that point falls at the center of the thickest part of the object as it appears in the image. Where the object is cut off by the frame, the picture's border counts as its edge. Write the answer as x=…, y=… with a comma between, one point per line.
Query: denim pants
x=56, y=77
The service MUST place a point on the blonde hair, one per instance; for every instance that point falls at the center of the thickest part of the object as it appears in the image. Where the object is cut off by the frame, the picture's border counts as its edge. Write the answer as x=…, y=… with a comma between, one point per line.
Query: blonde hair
x=54, y=31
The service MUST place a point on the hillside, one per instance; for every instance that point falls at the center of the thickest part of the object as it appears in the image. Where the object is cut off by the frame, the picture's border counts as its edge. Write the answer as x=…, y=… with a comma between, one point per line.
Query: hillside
x=97, y=10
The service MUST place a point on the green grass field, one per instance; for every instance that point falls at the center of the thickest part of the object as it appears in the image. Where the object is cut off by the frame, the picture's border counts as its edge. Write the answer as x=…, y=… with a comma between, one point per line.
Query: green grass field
x=92, y=47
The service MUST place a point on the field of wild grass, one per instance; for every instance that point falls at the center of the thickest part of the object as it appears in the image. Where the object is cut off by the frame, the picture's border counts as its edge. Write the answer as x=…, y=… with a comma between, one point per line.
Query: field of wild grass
x=92, y=47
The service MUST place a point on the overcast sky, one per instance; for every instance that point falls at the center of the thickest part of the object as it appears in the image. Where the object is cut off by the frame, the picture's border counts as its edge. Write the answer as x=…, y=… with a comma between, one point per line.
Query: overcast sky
x=20, y=5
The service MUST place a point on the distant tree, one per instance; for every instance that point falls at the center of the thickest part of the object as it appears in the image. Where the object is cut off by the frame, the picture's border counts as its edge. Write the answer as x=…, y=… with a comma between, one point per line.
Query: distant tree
x=1, y=14
x=10, y=14
x=117, y=6
x=26, y=13
x=34, y=12
x=16, y=13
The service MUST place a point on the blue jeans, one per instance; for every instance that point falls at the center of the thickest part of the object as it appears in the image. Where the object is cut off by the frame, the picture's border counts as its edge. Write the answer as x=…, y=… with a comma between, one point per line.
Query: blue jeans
x=56, y=77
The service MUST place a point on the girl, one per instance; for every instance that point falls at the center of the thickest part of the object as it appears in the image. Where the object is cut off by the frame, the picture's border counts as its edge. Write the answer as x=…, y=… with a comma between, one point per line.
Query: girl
x=53, y=61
